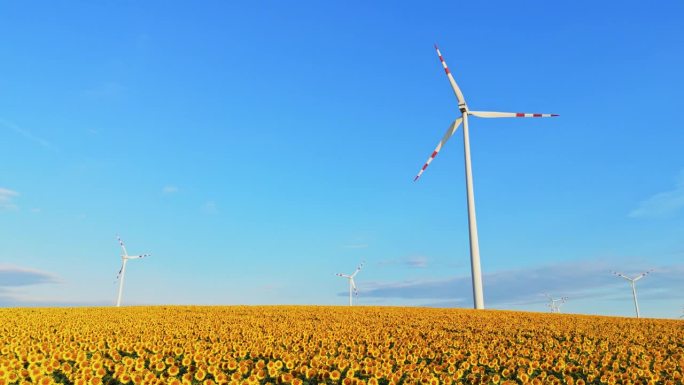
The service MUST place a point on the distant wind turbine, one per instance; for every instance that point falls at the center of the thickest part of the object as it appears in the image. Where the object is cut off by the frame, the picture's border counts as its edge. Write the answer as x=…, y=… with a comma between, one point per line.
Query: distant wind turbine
x=352, y=285
x=632, y=282
x=555, y=303
x=122, y=272
x=478, y=296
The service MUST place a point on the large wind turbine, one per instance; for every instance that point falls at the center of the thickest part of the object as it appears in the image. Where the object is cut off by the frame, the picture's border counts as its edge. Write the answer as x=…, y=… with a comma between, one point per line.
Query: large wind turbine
x=632, y=282
x=472, y=222
x=122, y=273
x=352, y=285
x=555, y=303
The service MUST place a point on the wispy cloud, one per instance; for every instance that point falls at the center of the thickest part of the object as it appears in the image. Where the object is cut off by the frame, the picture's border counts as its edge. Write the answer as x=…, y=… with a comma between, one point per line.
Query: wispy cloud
x=578, y=280
x=12, y=276
x=26, y=134
x=7, y=199
x=105, y=90
x=662, y=205
x=413, y=262
x=210, y=207
x=169, y=189
x=356, y=246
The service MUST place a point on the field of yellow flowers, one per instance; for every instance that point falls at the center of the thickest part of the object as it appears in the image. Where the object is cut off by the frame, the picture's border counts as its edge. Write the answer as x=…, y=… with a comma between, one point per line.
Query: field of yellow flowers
x=298, y=345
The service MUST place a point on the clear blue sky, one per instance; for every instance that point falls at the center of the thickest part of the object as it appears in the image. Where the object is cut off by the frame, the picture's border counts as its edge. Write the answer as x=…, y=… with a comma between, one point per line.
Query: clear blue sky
x=257, y=148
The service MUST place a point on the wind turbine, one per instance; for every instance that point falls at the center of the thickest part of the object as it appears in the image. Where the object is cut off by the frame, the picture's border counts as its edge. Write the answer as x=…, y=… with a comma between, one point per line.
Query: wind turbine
x=472, y=222
x=352, y=285
x=555, y=303
x=632, y=282
x=122, y=273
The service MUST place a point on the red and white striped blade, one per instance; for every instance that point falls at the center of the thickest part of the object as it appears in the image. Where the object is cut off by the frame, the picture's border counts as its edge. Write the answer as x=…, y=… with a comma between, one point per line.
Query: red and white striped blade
x=123, y=247
x=449, y=133
x=457, y=91
x=491, y=114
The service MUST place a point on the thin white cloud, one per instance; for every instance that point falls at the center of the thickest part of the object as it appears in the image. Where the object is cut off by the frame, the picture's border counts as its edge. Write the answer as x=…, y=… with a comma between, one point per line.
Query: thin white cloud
x=419, y=262
x=169, y=189
x=413, y=262
x=662, y=205
x=210, y=207
x=26, y=134
x=12, y=276
x=105, y=90
x=356, y=246
x=7, y=199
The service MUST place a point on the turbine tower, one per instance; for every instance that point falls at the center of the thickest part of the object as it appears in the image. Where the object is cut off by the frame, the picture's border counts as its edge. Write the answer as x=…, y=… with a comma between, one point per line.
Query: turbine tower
x=555, y=303
x=478, y=297
x=122, y=272
x=352, y=285
x=632, y=282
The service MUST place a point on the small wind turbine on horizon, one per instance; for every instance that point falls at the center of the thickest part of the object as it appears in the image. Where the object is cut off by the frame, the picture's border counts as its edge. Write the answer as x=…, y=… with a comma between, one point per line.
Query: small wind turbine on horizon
x=555, y=303
x=632, y=282
x=122, y=272
x=352, y=285
x=478, y=296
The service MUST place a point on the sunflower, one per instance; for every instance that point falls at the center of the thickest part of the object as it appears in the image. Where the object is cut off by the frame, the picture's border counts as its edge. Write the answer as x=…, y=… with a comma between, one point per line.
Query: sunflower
x=286, y=378
x=200, y=375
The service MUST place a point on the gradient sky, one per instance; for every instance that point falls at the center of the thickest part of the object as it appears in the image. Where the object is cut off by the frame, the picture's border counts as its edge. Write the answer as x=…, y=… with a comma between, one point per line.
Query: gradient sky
x=257, y=148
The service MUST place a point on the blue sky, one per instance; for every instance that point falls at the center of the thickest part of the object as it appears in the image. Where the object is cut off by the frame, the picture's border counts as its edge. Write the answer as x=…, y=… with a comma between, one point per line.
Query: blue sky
x=257, y=148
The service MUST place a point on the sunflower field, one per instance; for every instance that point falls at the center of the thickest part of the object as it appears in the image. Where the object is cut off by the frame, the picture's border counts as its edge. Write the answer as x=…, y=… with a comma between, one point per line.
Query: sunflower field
x=306, y=345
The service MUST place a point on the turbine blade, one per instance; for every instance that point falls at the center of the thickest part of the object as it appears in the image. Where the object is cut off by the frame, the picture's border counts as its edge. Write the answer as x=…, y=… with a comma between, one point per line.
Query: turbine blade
x=118, y=275
x=357, y=270
x=343, y=275
x=642, y=275
x=492, y=114
x=356, y=292
x=123, y=247
x=622, y=276
x=139, y=256
x=457, y=90
x=449, y=133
